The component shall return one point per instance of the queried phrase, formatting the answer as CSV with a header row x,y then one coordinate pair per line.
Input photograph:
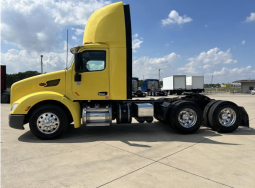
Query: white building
x,y
246,85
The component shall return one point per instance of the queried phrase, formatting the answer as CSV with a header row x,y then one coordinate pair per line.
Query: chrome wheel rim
x,y
187,118
48,123
227,117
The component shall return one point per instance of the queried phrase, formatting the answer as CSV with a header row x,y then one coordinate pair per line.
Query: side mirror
x,y
78,63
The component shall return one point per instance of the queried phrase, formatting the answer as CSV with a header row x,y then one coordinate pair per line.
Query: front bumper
x,y
16,121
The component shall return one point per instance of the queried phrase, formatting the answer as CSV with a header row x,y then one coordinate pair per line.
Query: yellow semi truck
x,y
97,89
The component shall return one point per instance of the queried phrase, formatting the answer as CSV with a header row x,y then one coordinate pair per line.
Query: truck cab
x,y
136,90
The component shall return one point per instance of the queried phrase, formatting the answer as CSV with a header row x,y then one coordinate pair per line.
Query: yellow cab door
x,y
94,78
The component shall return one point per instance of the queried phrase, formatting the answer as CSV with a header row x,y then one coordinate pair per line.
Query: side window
x,y
93,61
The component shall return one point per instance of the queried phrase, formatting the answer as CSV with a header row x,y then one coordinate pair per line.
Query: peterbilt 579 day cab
x,y
97,88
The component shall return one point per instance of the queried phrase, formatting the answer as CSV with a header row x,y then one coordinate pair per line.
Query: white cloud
x,y
136,42
233,72
175,18
148,66
36,25
243,42
23,60
78,31
74,38
205,61
135,35
250,18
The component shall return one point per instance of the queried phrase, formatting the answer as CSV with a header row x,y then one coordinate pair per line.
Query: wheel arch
x,y
27,104
47,102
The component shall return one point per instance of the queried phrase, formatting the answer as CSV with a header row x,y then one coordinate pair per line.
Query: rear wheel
x,y
149,119
206,122
185,117
224,117
48,122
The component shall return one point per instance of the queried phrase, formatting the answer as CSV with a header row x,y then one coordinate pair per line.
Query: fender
x,y
28,101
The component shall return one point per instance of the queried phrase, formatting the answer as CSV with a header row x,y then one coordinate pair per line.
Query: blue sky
x,y
198,38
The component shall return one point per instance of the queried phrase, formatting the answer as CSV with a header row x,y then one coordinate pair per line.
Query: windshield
x,y
70,63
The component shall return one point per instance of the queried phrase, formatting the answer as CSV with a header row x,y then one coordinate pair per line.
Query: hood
x,y
54,81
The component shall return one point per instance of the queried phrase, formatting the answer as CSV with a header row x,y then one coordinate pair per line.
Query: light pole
x,y
41,64
211,80
159,75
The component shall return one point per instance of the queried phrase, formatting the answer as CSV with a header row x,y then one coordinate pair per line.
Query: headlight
x,y
14,106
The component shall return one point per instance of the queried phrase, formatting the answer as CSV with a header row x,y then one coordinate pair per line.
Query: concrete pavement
x,y
137,155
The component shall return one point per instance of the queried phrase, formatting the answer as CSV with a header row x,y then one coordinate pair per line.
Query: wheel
x,y
5,98
206,122
224,117
140,120
185,117
48,122
169,120
149,120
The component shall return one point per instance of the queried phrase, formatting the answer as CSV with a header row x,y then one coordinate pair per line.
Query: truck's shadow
x,y
154,132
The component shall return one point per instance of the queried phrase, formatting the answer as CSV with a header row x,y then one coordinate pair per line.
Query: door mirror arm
x,y
78,63
77,77
78,67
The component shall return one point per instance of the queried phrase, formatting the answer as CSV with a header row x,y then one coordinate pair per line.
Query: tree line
x,y
12,78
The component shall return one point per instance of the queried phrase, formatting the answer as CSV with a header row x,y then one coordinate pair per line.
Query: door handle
x,y
102,93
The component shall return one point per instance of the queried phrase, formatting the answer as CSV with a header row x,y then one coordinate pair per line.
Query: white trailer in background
x,y
174,84
195,84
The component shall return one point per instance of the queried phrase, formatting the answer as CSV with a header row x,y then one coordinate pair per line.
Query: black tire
x,y
5,98
140,120
214,115
206,122
169,120
175,112
149,120
61,116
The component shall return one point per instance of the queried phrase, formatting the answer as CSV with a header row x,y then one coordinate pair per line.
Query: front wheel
x,y
48,122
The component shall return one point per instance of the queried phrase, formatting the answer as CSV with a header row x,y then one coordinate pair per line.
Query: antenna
x,y
66,48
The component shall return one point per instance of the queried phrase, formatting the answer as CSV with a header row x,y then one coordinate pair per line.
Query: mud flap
x,y
244,117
